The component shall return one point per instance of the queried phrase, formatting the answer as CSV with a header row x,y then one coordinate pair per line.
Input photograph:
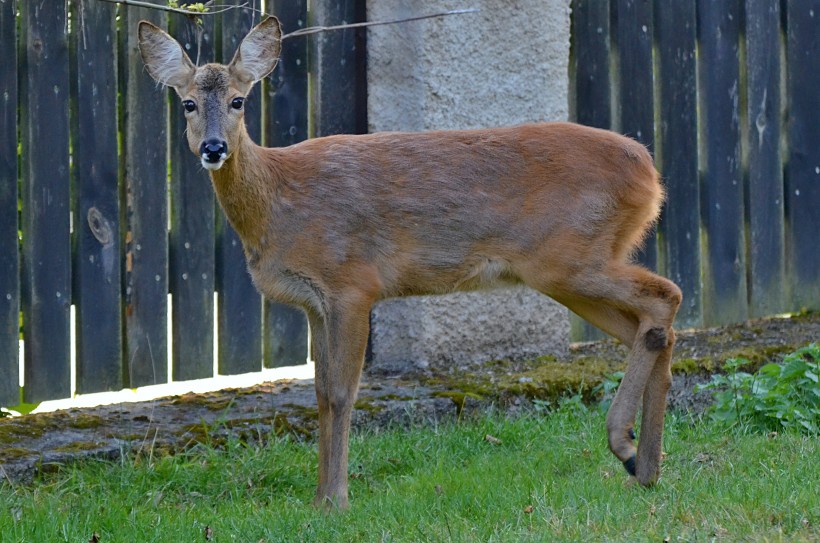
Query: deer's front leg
x,y
339,356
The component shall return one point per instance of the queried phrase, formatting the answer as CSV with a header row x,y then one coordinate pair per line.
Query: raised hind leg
x,y
637,307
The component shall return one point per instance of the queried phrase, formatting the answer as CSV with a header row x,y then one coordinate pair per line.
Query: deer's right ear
x,y
163,57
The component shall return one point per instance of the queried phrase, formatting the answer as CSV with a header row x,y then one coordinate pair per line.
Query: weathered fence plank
x,y
592,97
636,94
803,170
766,254
46,273
146,176
724,293
287,123
677,153
97,278
590,26
239,308
10,260
192,239
339,92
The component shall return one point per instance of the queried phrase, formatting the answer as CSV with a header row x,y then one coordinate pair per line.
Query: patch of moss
x,y
368,404
23,428
457,397
85,421
79,446
8,454
213,402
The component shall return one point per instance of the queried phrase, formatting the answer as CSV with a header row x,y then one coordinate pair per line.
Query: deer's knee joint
x,y
656,338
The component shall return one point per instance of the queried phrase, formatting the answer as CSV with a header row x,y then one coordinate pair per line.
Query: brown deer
x,y
334,224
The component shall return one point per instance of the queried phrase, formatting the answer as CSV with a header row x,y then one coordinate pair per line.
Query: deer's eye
x,y
236,103
189,105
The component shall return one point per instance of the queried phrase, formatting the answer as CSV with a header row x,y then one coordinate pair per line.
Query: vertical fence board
x,y
10,261
285,326
146,178
97,280
636,88
764,198
339,100
591,28
239,310
191,244
46,245
678,152
803,170
590,25
724,297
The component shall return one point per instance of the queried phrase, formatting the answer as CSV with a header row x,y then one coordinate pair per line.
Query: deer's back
x,y
439,211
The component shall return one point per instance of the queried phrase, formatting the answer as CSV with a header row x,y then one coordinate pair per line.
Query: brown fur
x,y
334,224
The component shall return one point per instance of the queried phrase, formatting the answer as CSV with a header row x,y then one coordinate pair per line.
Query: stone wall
x,y
505,65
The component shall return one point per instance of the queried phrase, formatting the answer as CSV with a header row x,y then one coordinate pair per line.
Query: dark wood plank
x,y
590,52
287,123
803,170
636,94
677,153
724,293
45,204
239,308
10,262
145,172
764,197
192,238
97,278
591,100
46,274
339,93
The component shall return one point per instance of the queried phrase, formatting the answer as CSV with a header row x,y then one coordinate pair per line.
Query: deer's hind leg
x,y
638,308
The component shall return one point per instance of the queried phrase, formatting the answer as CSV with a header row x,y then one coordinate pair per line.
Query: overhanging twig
x,y
296,33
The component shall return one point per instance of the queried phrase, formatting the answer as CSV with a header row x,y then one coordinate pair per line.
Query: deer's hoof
x,y
629,465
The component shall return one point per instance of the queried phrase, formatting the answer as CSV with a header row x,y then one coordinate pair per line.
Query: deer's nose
x,y
213,150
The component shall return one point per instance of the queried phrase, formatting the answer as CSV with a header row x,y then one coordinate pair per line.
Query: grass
x,y
550,478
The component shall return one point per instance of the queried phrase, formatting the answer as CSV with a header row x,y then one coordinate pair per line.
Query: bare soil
x,y
35,444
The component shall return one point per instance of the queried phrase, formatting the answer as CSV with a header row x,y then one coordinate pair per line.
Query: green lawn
x,y
550,478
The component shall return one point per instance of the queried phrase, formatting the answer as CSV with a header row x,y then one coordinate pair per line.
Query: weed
x,y
775,397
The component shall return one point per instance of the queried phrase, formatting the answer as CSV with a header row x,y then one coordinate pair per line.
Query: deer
x,y
334,224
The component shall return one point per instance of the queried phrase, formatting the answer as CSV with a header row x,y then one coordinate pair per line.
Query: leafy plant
x,y
775,397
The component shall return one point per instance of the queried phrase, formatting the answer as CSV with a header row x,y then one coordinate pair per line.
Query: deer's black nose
x,y
213,150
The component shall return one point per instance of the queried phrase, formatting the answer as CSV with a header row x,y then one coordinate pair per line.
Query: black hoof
x,y
629,466
632,434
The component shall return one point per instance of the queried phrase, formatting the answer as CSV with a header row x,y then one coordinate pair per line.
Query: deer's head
x,y
213,95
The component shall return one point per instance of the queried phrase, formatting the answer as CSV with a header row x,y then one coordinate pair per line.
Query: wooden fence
x,y
724,92
87,217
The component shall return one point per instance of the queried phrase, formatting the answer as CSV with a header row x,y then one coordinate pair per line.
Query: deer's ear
x,y
163,57
258,53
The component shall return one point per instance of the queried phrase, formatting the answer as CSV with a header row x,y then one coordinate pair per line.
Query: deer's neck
x,y
245,186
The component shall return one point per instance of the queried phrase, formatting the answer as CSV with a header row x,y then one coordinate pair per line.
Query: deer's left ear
x,y
258,53
163,57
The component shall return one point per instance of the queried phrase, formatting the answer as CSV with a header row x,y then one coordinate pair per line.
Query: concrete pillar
x,y
506,65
